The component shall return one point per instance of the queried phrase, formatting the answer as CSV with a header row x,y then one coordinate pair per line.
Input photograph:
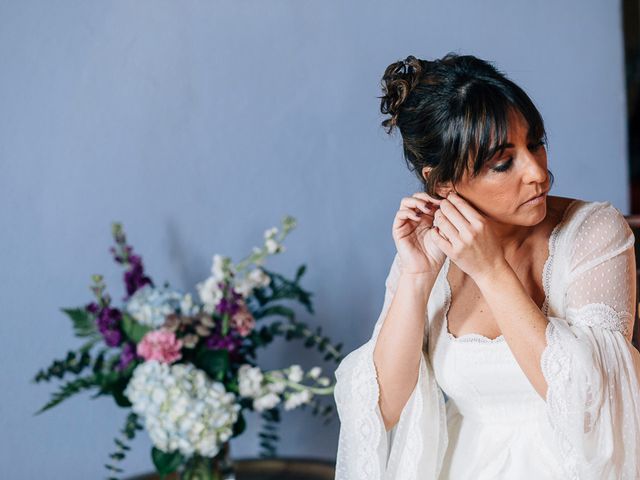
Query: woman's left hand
x,y
469,239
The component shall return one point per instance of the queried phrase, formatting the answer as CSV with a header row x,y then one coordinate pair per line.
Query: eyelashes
x,y
503,167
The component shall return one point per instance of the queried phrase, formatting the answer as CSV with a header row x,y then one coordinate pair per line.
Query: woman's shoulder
x,y
593,227
575,212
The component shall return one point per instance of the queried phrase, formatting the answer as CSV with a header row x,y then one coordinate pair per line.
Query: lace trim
x,y
546,285
547,269
601,315
358,396
556,365
368,428
467,337
359,457
408,466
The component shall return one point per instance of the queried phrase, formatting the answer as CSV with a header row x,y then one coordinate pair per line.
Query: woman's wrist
x,y
418,279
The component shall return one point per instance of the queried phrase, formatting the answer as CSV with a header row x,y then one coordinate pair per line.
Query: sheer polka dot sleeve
x,y
591,368
366,451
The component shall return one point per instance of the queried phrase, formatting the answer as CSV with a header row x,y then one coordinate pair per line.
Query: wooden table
x,y
272,469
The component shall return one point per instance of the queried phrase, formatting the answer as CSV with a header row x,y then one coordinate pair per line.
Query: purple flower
x,y
108,322
92,307
134,277
230,342
127,355
230,305
112,337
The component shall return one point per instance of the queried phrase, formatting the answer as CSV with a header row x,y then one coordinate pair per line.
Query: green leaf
x,y
282,288
69,389
73,363
275,310
239,426
166,463
132,329
214,362
99,361
83,322
301,269
118,393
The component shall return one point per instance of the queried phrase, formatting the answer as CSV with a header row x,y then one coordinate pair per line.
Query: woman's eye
x,y
538,145
503,167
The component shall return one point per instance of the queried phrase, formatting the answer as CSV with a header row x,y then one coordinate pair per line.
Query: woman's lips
x,y
537,200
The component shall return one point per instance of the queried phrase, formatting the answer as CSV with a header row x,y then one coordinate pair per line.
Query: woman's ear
x,y
425,172
443,190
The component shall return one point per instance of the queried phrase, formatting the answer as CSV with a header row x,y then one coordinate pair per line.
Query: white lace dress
x,y
473,413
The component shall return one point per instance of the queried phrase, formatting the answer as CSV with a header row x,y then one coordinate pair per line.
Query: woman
x,y
503,347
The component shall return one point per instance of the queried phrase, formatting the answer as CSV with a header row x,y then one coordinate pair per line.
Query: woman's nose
x,y
536,170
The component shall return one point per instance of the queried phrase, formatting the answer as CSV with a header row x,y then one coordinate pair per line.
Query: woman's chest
x,y
468,312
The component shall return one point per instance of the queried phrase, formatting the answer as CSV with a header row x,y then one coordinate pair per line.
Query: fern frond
x,y
73,363
127,433
69,389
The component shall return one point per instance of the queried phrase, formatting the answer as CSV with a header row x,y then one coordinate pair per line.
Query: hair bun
x,y
398,81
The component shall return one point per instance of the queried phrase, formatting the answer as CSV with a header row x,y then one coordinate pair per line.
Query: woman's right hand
x,y
413,234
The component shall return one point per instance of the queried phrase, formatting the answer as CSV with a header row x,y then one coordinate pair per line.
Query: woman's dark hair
x,y
451,110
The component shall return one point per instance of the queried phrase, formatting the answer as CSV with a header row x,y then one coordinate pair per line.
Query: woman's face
x,y
505,183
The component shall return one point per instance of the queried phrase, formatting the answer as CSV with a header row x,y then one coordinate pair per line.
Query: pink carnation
x,y
243,321
161,345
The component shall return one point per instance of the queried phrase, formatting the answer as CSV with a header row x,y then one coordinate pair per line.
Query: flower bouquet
x,y
187,370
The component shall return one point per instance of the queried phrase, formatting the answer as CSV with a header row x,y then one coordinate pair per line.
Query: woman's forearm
x,y
399,344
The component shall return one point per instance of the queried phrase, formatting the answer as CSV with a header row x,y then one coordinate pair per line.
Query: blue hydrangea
x,y
150,305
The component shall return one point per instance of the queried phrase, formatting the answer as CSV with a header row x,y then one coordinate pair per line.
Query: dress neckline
x,y
546,279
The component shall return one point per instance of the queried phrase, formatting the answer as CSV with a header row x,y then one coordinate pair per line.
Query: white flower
x,y
218,267
258,277
324,381
182,409
295,373
187,307
276,387
244,287
249,381
315,372
210,294
150,305
270,233
266,402
276,383
255,278
272,245
296,399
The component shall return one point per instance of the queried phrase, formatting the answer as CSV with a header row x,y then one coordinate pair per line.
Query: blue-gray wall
x,y
199,124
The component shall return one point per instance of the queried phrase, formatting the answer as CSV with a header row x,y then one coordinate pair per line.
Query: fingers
x,y
405,213
417,203
470,213
428,198
453,214
417,208
446,227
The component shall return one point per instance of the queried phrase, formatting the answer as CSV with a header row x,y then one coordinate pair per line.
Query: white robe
x,y
592,408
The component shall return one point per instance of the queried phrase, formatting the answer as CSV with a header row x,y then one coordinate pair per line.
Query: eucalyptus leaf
x,y
166,463
132,329
83,322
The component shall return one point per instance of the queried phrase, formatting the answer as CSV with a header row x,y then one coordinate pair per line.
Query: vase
x,y
219,467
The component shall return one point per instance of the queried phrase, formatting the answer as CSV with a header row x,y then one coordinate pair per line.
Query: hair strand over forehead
x,y
453,114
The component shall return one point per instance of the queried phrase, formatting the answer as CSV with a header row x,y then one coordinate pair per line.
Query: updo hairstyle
x,y
450,112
